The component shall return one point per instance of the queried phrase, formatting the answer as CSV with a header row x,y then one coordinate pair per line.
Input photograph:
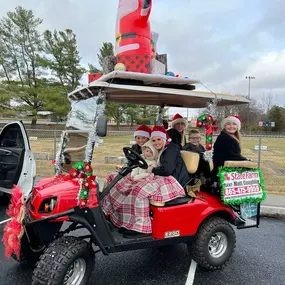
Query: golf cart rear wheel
x,y
214,244
67,261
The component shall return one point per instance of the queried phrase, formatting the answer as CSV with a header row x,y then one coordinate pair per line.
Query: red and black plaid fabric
x,y
127,203
135,63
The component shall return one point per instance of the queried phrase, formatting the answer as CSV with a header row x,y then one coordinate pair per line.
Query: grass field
x,y
272,160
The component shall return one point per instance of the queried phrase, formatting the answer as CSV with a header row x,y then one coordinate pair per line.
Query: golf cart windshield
x,y
80,122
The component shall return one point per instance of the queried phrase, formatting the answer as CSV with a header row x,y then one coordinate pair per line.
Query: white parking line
x,y
5,221
191,273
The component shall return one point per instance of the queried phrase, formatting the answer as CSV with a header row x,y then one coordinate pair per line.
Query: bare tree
x,y
268,101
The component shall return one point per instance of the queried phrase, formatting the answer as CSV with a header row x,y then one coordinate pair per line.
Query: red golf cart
x,y
63,238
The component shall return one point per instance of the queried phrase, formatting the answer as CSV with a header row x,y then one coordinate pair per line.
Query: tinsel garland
x,y
14,229
209,123
93,138
237,201
59,158
83,171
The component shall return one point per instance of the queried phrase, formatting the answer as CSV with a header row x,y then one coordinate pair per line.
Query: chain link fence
x,y
267,150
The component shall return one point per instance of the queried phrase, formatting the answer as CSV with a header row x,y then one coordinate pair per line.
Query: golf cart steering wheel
x,y
135,158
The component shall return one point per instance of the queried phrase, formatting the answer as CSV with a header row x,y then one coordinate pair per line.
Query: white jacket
x,y
139,173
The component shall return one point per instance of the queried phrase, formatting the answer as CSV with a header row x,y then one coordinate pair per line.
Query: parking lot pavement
x,y
258,259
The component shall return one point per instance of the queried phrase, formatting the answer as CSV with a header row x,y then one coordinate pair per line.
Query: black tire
x,y
28,258
57,259
214,228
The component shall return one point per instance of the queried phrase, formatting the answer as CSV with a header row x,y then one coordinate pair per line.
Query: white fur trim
x,y
158,134
231,119
180,120
153,149
142,133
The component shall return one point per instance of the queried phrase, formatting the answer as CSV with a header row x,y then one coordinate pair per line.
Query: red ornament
x,y
209,118
73,172
82,203
208,146
82,175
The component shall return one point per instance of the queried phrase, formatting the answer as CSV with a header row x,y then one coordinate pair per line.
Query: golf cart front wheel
x,y
214,244
67,261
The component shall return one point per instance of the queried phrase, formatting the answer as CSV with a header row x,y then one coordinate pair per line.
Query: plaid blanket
x,y
127,203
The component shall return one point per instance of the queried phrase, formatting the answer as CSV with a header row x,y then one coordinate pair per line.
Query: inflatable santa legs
x,y
133,46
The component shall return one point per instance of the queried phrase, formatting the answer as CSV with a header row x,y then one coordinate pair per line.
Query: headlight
x,y
48,205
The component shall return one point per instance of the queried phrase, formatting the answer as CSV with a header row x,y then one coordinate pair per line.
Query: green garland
x,y
236,201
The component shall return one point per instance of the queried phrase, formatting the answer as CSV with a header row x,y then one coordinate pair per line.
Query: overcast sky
x,y
217,41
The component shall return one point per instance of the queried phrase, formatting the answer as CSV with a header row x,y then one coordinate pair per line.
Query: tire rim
x,y
75,272
218,244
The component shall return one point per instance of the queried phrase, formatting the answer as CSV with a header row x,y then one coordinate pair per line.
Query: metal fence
x,y
267,150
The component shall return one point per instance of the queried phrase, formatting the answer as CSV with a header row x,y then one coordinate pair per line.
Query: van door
x,y
17,163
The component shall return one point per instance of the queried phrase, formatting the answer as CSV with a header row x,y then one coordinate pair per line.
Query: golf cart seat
x,y
191,160
242,163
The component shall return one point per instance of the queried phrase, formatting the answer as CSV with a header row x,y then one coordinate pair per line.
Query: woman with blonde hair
x,y
227,144
177,130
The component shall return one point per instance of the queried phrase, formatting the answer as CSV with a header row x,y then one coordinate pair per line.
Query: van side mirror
x,y
102,126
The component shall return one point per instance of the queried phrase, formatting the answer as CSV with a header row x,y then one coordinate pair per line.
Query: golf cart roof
x,y
146,89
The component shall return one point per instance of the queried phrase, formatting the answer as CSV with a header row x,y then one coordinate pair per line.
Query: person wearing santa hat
x,y
177,130
170,161
227,144
227,147
127,204
142,135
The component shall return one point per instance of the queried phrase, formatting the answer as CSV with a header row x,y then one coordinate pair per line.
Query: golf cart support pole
x,y
159,118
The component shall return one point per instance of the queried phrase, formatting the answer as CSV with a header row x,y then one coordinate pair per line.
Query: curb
x,y
272,212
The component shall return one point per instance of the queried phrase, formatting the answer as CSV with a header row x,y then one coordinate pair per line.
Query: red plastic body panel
x,y
66,191
184,220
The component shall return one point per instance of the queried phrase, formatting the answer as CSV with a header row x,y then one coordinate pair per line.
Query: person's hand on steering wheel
x,y
135,160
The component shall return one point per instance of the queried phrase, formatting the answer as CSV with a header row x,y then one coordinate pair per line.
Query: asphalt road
x,y
258,259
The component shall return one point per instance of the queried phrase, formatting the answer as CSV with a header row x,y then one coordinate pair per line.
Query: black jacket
x,y
175,137
136,148
226,148
191,147
171,163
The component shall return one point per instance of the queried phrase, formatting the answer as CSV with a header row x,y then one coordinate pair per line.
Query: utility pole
x,y
249,79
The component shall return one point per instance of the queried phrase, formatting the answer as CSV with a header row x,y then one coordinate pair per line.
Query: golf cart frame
x,y
204,223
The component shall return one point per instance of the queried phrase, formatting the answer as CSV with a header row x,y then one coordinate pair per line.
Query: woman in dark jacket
x,y
170,160
177,130
227,144
227,147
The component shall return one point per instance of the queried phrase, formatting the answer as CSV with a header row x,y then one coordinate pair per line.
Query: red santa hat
x,y
177,118
160,132
143,131
233,119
